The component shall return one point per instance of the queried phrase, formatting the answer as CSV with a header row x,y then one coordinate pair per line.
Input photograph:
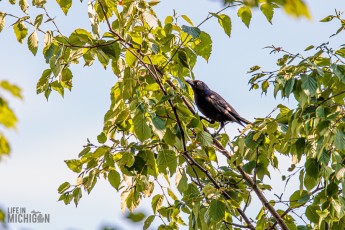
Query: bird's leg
x,y
209,121
221,127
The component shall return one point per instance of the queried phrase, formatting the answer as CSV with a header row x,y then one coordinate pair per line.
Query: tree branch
x,y
216,143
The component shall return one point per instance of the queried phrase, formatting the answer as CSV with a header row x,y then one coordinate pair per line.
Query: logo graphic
x,y
20,215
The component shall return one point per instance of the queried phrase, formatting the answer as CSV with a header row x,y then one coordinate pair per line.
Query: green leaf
x,y
102,58
39,3
205,139
339,140
113,50
100,151
38,20
84,151
74,165
156,202
181,181
2,20
7,118
203,46
309,48
299,198
253,69
169,137
43,83
267,10
312,167
13,89
340,52
114,179
80,37
216,211
193,31
312,213
127,159
77,195
20,31
130,58
167,159
47,93
182,56
310,182
135,216
49,47
185,17
24,6
309,85
141,128
171,194
296,8
339,71
327,19
64,5
225,22
148,222
4,146
2,216
245,14
289,86
33,43
159,126
66,78
102,138
337,206
57,87
63,187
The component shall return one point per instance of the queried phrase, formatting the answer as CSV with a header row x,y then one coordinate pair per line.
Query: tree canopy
x,y
154,140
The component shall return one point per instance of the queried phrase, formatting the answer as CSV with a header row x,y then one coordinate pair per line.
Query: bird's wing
x,y
224,107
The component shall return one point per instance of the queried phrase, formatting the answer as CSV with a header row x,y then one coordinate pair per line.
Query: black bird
x,y
213,106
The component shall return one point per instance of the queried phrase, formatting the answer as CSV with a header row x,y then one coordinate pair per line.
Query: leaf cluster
x,y
153,143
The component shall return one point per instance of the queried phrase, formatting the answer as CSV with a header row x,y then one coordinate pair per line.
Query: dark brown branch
x,y
247,178
289,209
216,143
263,199
333,96
236,225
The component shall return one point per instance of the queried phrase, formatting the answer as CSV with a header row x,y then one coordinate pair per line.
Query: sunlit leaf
x,y
21,31
225,22
64,5
2,20
33,43
245,14
114,179
268,10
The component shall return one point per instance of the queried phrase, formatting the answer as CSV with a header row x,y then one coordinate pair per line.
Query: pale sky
x,y
50,132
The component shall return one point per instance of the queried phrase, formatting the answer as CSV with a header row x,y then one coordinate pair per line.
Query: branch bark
x,y
217,144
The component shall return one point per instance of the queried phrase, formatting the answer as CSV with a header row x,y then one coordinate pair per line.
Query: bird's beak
x,y
190,82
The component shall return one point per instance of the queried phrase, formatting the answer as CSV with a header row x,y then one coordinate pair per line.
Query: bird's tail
x,y
245,121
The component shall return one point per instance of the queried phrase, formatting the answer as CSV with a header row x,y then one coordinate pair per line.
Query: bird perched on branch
x,y
213,106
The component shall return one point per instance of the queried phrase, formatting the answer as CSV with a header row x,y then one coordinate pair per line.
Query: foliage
x,y
8,119
153,143
312,134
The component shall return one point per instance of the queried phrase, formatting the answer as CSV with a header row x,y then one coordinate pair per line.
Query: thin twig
x,y
217,144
